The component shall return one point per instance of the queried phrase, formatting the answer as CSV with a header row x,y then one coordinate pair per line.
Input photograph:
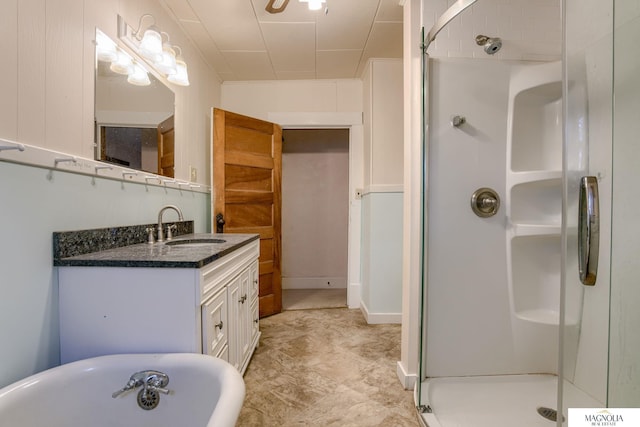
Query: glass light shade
x,y
138,76
105,48
151,45
123,64
167,65
181,77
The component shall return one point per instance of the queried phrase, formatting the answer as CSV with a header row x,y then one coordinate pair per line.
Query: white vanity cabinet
x,y
211,310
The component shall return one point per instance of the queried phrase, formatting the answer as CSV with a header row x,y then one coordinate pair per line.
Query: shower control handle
x,y
588,230
485,202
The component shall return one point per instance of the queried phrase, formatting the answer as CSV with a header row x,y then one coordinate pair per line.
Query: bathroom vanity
x,y
197,293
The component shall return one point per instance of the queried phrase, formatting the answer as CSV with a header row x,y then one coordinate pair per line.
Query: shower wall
x,y
530,30
469,321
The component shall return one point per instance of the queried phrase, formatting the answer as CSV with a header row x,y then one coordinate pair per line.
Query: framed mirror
x,y
134,112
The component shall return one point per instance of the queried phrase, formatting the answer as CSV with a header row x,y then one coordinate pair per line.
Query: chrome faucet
x,y
151,381
160,230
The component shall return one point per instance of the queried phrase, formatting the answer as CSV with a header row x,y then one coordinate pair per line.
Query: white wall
x,y
383,191
315,208
47,101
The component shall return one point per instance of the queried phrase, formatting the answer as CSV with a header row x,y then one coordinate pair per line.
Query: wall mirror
x,y
134,112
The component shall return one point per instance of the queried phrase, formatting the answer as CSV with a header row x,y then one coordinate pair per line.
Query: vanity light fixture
x,y
158,54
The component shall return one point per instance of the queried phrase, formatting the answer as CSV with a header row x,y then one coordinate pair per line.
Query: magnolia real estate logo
x,y
604,417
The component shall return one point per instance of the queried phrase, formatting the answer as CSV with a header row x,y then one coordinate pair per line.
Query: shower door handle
x,y
588,230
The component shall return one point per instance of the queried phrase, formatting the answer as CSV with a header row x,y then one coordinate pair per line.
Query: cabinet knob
x,y
256,320
219,325
242,299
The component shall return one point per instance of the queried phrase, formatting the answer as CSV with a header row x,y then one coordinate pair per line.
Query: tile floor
x,y
304,299
326,367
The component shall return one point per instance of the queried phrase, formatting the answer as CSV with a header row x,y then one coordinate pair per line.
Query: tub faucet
x,y
160,231
153,381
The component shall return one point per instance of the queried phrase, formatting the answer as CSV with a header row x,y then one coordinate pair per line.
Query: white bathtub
x,y
204,391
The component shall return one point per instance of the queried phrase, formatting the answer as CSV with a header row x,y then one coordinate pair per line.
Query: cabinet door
x,y
244,328
215,327
254,322
234,295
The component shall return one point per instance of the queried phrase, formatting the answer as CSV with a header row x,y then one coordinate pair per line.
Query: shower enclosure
x,y
510,334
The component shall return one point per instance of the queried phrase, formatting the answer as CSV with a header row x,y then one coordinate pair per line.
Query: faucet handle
x,y
170,230
131,384
150,239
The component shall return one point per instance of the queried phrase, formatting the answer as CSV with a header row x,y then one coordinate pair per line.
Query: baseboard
x,y
380,318
353,295
408,381
314,283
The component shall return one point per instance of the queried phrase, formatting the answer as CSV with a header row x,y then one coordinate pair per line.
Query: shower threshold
x,y
495,401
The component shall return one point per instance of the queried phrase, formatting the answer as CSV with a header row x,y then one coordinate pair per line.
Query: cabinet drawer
x,y
214,324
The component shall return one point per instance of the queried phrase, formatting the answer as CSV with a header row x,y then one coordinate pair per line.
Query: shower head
x,y
491,44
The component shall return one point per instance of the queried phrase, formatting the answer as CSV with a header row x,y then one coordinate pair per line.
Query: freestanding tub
x,y
203,391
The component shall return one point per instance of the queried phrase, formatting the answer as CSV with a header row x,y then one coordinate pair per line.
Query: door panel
x,y
247,165
166,148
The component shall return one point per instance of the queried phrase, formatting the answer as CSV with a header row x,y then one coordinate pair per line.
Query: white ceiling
x,y
242,41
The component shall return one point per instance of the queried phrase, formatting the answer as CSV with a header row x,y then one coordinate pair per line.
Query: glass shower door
x,y
624,342
601,367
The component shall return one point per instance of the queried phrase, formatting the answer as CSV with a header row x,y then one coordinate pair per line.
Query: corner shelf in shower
x,y
534,198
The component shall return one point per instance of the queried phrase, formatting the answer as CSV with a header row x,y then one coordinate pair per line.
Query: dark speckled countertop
x,y
161,255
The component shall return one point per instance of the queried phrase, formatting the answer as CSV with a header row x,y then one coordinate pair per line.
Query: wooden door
x,y
247,179
166,148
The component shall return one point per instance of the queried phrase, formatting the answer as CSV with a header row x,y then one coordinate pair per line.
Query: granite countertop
x,y
162,255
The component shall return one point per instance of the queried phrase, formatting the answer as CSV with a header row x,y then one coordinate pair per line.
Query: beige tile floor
x,y
326,367
304,299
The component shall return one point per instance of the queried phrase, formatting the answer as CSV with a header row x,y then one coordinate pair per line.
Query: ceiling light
x,y
314,4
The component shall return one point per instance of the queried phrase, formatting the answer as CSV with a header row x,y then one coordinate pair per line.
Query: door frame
x,y
353,122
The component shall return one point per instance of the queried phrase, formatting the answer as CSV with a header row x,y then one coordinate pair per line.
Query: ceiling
x,y
242,41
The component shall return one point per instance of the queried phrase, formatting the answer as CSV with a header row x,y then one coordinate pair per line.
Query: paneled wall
x,y
48,76
47,98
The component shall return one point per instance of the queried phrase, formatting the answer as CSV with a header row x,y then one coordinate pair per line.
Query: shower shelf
x,y
515,178
534,229
547,317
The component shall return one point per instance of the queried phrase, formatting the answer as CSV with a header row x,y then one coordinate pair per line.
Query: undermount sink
x,y
192,243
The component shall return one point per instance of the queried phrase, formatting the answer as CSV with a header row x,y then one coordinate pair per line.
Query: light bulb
x,y
315,4
105,48
122,64
167,65
151,45
138,76
181,77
